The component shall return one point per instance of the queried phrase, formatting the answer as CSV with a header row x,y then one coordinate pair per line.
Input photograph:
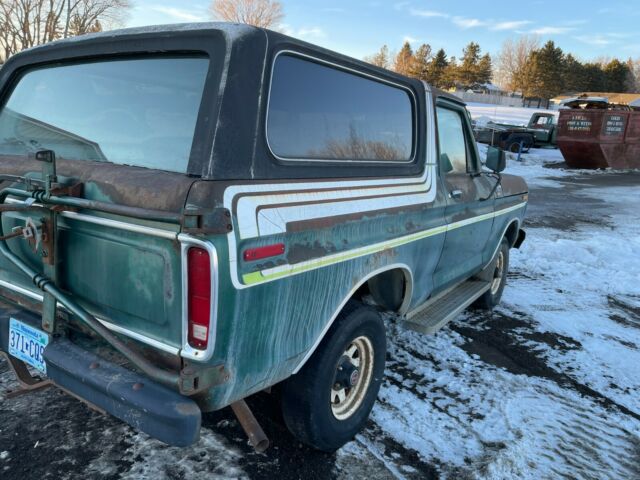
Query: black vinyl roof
x,y
230,141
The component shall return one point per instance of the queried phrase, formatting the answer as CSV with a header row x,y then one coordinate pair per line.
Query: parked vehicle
x,y
540,132
193,214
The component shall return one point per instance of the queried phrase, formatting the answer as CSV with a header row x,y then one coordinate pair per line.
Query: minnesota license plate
x,y
27,344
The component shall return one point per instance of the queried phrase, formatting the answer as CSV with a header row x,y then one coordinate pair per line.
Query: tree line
x,y
522,66
473,70
27,23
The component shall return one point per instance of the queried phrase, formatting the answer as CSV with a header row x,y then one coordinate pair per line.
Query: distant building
x,y
484,88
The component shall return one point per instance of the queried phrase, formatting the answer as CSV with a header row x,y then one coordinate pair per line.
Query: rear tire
x,y
512,143
491,298
329,400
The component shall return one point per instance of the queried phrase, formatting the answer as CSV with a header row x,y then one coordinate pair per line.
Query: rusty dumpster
x,y
600,138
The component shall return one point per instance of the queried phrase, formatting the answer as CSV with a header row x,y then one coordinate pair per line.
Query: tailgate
x,y
127,274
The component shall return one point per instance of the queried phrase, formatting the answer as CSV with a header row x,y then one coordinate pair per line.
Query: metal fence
x,y
502,100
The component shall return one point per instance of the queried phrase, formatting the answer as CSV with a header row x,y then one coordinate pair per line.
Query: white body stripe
x,y
274,220
289,270
248,221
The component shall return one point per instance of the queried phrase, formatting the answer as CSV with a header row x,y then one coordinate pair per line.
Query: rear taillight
x,y
199,294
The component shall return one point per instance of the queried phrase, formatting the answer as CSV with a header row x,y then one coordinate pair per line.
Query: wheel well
x,y
511,233
518,137
391,289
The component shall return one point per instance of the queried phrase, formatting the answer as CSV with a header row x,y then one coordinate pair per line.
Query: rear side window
x,y
139,112
320,112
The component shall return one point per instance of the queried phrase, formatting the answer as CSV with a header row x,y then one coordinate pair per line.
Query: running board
x,y
438,311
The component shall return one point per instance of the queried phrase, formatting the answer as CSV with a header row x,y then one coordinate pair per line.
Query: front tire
x,y
491,298
329,400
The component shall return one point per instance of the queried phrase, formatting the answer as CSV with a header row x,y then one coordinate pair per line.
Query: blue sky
x,y
587,28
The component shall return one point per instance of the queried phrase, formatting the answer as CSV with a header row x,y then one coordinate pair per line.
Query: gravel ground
x,y
544,387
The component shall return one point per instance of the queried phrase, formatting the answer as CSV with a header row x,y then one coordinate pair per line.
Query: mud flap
x,y
147,406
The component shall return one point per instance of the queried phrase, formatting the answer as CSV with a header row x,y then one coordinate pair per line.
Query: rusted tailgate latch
x,y
214,221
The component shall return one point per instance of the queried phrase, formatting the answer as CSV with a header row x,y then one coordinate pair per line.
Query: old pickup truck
x,y
540,132
193,214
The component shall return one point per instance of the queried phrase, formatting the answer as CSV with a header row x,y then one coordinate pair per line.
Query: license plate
x,y
27,344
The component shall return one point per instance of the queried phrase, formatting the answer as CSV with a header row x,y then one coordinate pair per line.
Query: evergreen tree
x,y
485,70
420,65
595,79
574,78
467,73
404,59
545,76
525,78
451,74
437,69
616,75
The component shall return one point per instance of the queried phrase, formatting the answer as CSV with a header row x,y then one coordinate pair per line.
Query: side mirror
x,y
496,160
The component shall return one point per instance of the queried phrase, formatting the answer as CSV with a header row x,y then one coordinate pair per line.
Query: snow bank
x,y
500,114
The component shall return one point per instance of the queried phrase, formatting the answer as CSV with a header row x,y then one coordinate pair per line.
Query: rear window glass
x,y
139,112
318,112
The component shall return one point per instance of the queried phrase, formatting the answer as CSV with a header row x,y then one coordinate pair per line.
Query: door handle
x,y
455,194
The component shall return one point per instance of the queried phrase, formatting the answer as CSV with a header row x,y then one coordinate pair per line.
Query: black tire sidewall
x,y
306,396
494,298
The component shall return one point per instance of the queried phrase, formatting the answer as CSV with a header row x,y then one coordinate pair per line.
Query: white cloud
x,y
463,22
410,39
427,13
314,32
179,14
596,40
622,35
509,25
303,32
551,30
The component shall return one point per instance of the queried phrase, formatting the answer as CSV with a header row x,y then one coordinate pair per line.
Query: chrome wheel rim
x,y
498,274
352,378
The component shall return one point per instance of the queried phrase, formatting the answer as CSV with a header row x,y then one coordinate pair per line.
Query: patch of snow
x,y
210,457
501,114
472,419
533,166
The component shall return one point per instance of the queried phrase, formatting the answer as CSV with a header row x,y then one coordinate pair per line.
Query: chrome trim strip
x,y
130,227
141,338
187,350
360,74
21,290
107,222
124,331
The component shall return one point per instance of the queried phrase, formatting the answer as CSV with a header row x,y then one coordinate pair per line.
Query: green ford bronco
x,y
196,213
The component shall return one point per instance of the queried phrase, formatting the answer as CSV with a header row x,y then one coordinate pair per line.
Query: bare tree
x,y
261,13
27,23
512,59
380,59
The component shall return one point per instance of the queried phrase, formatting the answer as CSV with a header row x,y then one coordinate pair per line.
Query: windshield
x,y
140,112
